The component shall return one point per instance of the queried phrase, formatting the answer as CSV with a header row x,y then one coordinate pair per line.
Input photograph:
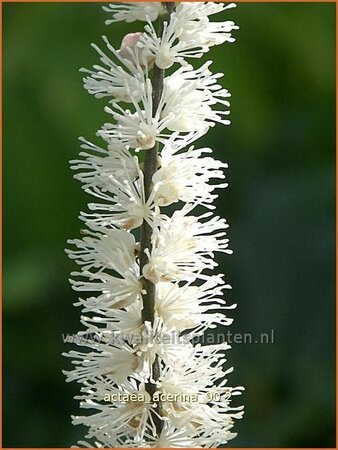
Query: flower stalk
x,y
150,168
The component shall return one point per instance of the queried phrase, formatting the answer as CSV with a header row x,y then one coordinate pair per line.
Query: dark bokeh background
x,y
280,204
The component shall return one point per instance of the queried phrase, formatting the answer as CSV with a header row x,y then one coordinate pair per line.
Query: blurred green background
x,y
280,205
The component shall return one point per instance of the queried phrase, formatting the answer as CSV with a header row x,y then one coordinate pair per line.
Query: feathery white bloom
x,y
193,94
108,262
186,307
194,376
121,416
115,323
100,166
139,129
112,78
115,177
124,206
157,340
168,49
144,380
182,247
178,307
186,175
115,292
189,33
129,12
114,362
186,105
198,29
114,250
172,437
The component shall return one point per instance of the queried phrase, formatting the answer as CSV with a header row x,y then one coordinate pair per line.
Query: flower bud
x,y
131,49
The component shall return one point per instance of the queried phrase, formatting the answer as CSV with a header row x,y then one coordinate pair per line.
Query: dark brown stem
x,y
150,167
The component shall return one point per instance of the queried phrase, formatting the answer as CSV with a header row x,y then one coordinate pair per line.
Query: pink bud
x,y
130,40
129,45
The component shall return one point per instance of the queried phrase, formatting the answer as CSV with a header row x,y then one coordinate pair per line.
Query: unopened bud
x,y
131,50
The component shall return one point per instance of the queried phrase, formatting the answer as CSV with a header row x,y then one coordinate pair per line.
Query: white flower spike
x,y
147,273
